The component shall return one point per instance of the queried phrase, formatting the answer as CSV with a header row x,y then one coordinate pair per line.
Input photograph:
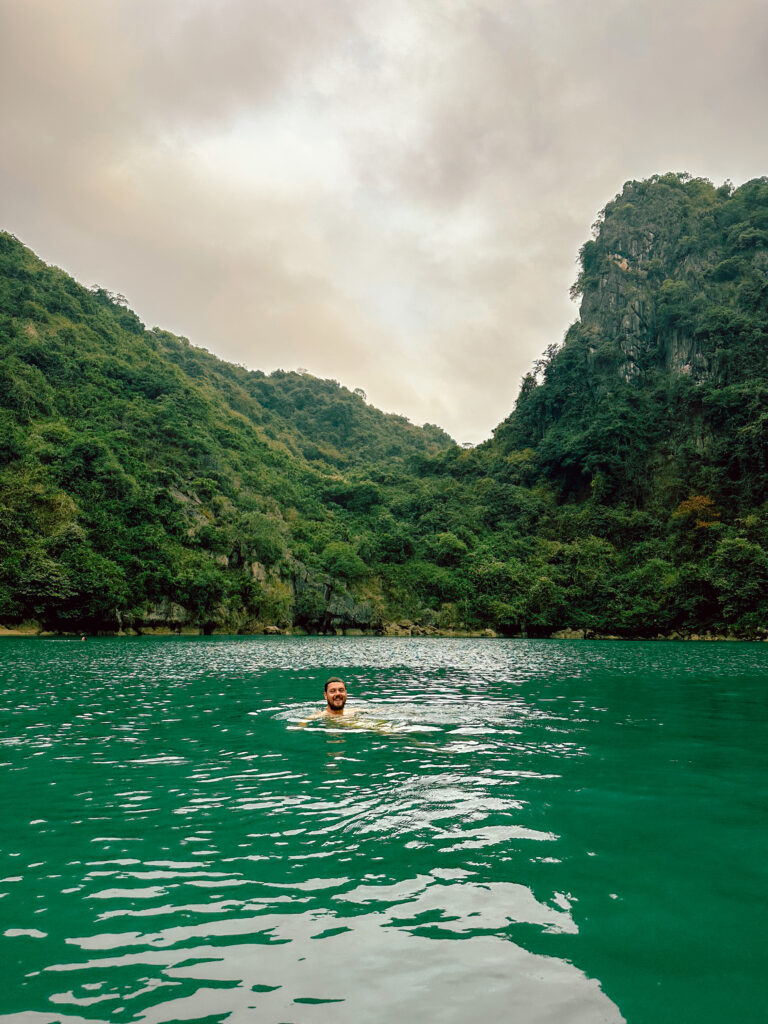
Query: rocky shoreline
x,y
400,628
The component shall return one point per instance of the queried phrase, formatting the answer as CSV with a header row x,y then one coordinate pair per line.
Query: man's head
x,y
335,694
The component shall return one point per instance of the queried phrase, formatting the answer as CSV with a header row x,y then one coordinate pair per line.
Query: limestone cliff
x,y
669,349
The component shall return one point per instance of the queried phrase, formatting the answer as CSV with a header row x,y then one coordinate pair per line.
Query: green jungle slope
x,y
146,484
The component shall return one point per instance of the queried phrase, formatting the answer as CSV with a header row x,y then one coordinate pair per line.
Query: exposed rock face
x,y
170,617
346,612
164,614
664,370
325,604
312,601
631,272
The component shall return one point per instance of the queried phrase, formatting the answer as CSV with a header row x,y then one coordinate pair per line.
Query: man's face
x,y
336,696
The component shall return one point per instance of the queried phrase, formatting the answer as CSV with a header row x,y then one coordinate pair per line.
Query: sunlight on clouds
x,y
286,148
392,195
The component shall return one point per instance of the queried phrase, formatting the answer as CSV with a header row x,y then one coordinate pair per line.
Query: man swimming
x,y
335,696
335,690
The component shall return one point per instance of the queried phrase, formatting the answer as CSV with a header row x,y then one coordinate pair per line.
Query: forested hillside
x,y
637,453
145,483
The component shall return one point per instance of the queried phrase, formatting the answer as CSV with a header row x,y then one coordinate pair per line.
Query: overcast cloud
x,y
390,194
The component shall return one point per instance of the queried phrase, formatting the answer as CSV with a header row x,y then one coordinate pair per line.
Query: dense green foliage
x,y
144,481
137,470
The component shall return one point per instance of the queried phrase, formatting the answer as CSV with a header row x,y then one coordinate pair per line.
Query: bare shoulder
x,y
325,713
311,718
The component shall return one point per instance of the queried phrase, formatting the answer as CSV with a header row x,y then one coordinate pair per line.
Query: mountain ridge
x,y
147,484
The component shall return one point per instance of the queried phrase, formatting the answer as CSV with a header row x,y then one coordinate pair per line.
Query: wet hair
x,y
333,679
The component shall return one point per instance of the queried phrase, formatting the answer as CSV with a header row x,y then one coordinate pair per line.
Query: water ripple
x,y
176,847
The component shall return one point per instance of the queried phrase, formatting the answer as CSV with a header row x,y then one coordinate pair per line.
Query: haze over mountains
x,y
147,484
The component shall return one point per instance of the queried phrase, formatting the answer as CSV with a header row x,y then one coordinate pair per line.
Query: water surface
x,y
527,831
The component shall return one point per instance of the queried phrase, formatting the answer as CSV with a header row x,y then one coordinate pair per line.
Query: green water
x,y
521,831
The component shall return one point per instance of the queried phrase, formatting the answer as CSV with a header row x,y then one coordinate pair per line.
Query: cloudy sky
x,y
391,193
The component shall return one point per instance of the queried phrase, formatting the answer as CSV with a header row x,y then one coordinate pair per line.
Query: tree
x,y
738,570
340,560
